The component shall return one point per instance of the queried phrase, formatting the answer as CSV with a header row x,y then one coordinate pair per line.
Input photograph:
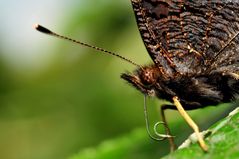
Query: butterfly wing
x,y
187,36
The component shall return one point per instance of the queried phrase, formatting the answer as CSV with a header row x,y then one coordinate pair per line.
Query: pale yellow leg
x,y
190,122
234,75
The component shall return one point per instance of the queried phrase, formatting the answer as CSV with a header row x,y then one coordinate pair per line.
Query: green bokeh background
x,y
76,99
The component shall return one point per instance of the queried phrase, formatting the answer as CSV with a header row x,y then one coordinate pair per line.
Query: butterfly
x,y
194,46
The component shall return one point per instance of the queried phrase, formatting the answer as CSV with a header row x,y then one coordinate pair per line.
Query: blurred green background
x,y
57,98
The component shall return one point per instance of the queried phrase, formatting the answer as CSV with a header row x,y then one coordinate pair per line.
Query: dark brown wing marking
x,y
185,35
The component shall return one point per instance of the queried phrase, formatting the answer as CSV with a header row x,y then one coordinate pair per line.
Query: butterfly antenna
x,y
49,32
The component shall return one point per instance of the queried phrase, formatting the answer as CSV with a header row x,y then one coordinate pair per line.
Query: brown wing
x,y
186,35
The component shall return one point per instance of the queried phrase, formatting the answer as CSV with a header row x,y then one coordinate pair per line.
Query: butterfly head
x,y
144,79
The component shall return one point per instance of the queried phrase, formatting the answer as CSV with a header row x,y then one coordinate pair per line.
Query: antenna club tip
x,y
36,26
42,29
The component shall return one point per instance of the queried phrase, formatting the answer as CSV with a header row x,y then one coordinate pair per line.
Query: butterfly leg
x,y
190,122
167,130
231,74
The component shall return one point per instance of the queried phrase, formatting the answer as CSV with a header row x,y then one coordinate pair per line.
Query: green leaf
x,y
223,141
133,145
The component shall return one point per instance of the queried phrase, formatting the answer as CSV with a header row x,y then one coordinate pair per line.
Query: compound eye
x,y
148,77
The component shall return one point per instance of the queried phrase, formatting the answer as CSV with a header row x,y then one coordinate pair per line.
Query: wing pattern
x,y
189,36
